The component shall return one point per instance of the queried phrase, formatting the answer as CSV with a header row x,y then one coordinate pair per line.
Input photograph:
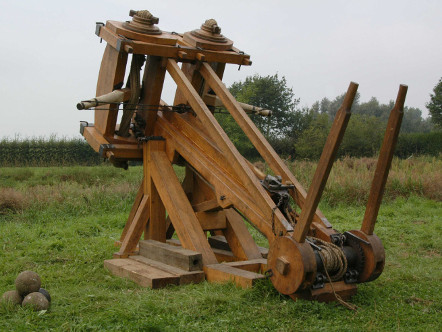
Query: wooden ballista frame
x,y
221,190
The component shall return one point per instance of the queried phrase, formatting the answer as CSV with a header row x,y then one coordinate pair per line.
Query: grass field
x,y
62,223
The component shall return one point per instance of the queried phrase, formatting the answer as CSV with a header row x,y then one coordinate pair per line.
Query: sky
x,y
50,55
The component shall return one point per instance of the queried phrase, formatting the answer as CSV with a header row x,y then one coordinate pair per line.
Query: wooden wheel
x,y
374,256
293,264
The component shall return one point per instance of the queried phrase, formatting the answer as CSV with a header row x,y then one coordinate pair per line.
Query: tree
x,y
435,105
270,92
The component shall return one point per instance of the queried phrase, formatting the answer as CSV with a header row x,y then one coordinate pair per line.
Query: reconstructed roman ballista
x,y
221,190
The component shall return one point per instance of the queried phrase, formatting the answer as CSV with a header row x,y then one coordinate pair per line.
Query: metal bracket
x,y
84,124
104,148
98,26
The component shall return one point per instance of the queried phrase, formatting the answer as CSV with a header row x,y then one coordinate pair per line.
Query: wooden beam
x,y
233,192
212,220
153,81
237,235
186,277
133,211
135,229
178,207
226,273
230,152
384,162
256,137
142,274
169,51
157,225
325,164
179,257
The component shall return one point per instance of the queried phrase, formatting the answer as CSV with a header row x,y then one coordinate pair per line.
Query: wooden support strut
x,y
229,150
255,136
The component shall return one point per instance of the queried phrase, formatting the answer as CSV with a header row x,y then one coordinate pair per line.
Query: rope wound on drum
x,y
335,262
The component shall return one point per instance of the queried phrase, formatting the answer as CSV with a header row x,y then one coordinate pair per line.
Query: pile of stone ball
x,y
28,292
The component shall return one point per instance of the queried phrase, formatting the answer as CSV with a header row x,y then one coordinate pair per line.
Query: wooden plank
x,y
153,81
136,228
212,220
221,255
169,51
133,211
207,206
325,164
94,138
141,274
224,255
122,151
186,277
111,77
172,255
219,242
157,222
254,265
384,162
225,273
164,38
237,235
178,207
326,294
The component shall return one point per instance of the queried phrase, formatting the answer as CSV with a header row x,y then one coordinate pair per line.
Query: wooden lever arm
x,y
325,163
384,162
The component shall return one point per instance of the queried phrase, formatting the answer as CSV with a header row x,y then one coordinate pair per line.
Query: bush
x,y
419,144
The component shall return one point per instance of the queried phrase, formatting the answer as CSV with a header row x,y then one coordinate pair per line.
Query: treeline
x,y
295,133
51,151
301,132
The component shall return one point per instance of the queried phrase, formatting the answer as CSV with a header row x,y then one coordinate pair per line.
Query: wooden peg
x,y
182,55
200,56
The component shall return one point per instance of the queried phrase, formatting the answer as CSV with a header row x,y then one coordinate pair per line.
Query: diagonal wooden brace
x,y
384,162
325,163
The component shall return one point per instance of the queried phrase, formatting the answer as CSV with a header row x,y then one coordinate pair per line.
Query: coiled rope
x,y
334,260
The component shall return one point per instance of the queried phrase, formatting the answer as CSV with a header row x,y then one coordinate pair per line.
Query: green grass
x,y
71,217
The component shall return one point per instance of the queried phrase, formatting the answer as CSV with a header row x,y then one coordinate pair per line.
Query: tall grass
x,y
72,215
350,178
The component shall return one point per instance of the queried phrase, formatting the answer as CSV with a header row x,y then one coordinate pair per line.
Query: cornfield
x,y
52,151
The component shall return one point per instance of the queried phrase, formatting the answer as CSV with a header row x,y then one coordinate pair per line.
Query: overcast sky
x,y
50,56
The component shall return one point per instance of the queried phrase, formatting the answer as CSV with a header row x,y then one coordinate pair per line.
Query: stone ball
x,y
12,297
27,282
36,301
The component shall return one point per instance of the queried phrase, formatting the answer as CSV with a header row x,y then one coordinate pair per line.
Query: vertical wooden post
x,y
153,81
384,162
156,228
